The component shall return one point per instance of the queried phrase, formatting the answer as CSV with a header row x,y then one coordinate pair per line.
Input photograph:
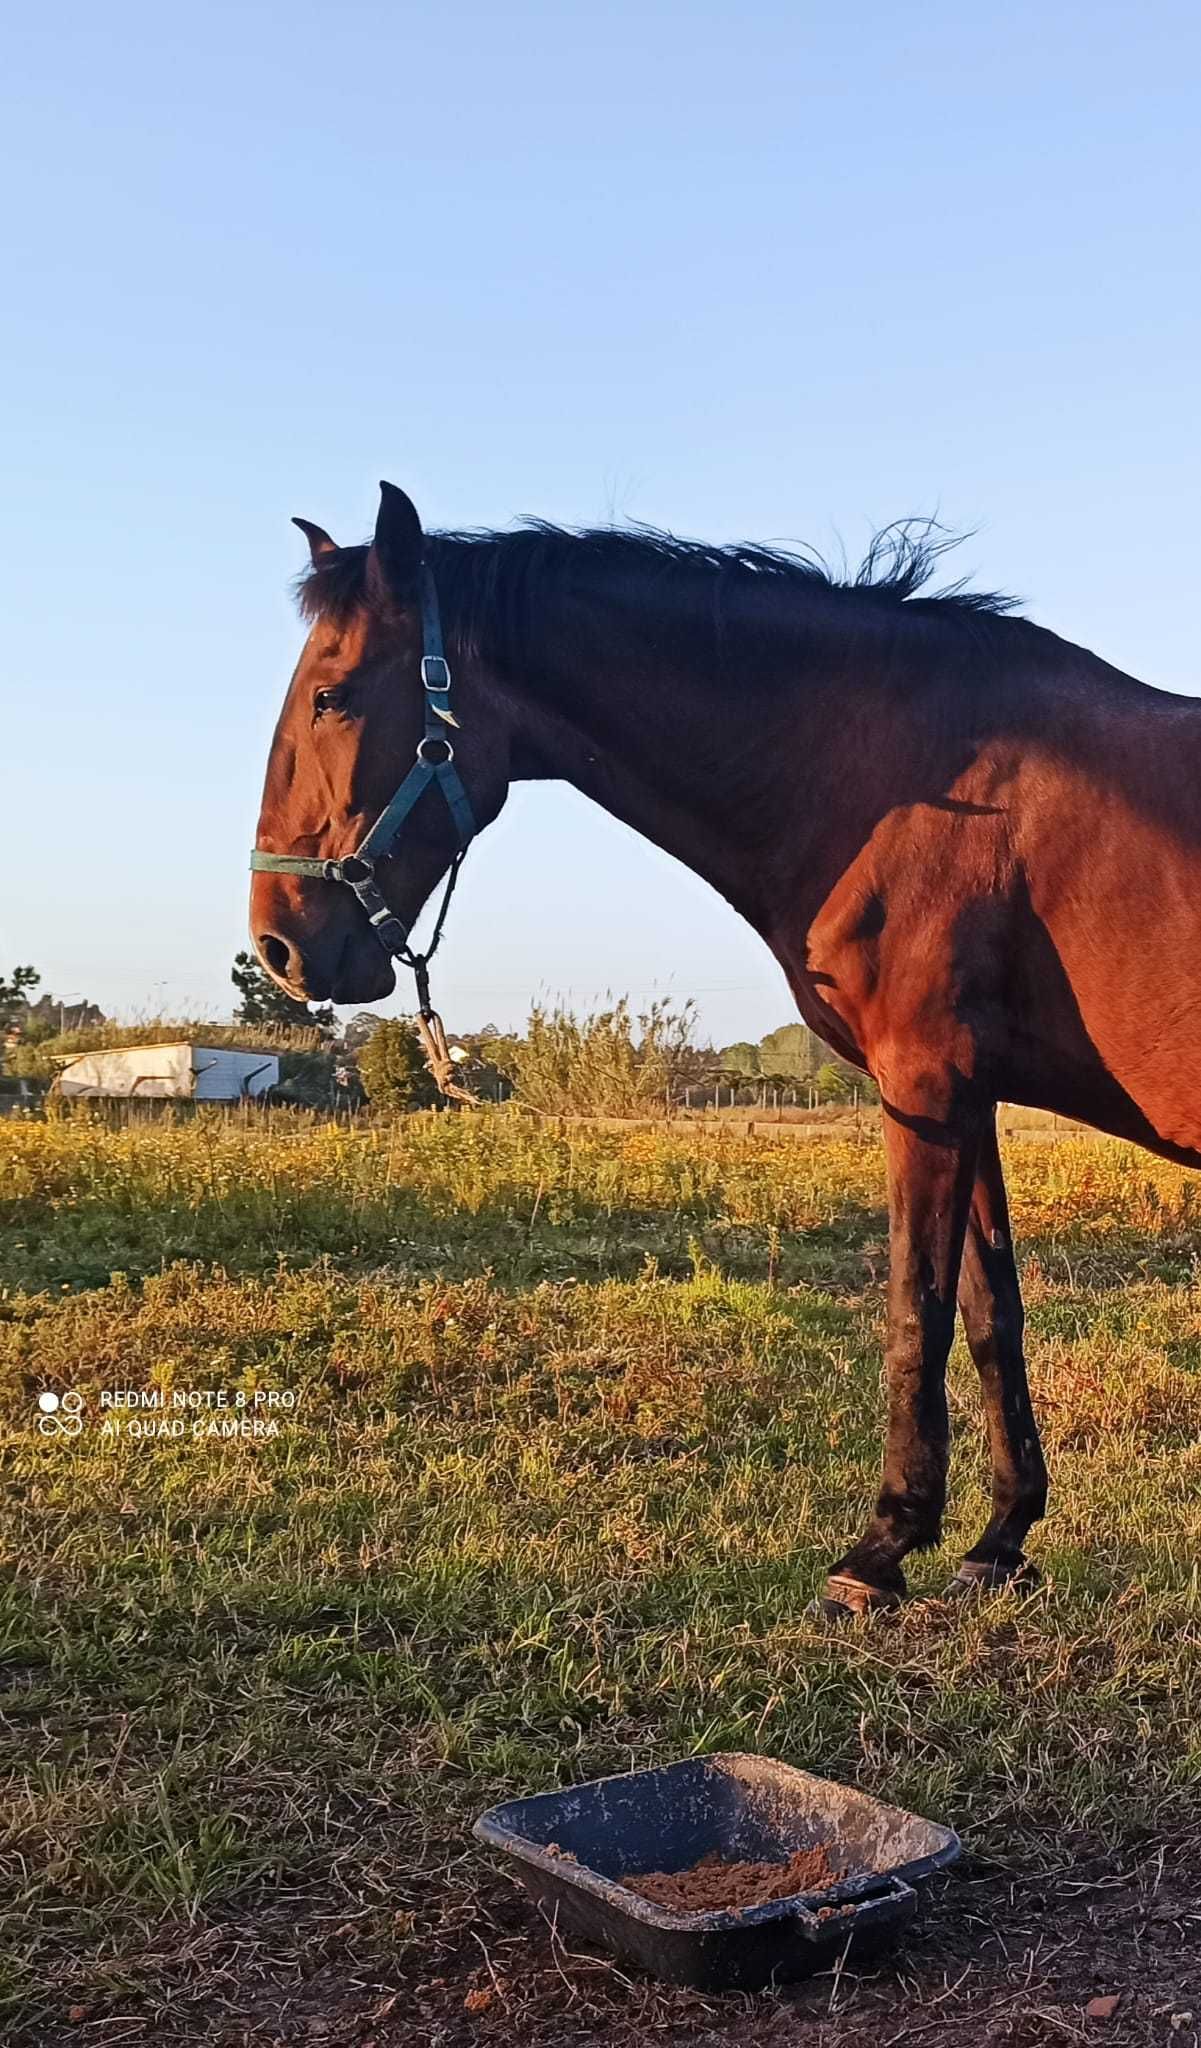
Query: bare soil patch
x,y
997,1959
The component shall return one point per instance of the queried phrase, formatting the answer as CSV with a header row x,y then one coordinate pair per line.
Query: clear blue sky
x,y
776,271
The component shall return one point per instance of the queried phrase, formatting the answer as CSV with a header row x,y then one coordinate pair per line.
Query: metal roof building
x,y
180,1072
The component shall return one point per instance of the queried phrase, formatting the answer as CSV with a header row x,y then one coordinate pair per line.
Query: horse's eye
x,y
328,700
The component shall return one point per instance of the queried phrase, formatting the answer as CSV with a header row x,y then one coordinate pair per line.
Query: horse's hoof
x,y
846,1599
974,1579
835,1613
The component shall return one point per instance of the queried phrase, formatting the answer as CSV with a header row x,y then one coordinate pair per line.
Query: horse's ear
x,y
395,554
318,539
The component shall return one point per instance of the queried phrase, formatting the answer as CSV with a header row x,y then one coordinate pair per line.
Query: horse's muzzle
x,y
354,970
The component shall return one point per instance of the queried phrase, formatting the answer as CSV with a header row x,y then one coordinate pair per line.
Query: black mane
x,y
492,584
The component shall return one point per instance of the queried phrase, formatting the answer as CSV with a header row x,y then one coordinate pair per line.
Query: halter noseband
x,y
357,869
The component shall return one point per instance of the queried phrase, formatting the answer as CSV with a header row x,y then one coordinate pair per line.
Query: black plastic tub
x,y
571,1849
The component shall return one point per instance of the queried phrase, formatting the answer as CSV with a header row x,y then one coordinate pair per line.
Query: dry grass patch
x,y
578,1421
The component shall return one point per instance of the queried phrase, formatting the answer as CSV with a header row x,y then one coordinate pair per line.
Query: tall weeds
x,y
604,1064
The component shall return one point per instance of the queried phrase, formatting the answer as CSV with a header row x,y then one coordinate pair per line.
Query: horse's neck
x,y
766,772
691,772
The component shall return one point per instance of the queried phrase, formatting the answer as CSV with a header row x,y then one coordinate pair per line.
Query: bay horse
x,y
974,848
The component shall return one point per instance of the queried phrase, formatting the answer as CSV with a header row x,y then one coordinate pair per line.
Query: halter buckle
x,y
391,931
435,672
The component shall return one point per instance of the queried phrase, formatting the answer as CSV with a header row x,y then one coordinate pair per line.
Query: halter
x,y
357,870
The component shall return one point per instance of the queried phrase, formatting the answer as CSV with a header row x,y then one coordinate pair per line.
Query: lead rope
x,y
430,1028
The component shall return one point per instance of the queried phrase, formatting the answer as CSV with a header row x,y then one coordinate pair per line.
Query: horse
x,y
973,847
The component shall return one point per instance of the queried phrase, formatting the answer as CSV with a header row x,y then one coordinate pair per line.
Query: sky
x,y
780,272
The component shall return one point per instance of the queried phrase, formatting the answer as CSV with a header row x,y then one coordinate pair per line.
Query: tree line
x,y
794,1063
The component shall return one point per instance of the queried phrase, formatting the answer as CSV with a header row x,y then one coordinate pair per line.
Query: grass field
x,y
578,1422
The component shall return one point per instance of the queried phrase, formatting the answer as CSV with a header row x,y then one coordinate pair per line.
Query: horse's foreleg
x,y
931,1169
991,1303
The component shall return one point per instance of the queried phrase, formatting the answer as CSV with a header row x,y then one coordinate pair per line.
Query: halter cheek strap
x,y
434,767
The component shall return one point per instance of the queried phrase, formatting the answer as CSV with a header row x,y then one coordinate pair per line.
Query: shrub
x,y
601,1065
741,1059
393,1070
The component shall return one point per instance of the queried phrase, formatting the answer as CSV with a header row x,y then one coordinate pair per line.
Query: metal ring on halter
x,y
434,739
354,861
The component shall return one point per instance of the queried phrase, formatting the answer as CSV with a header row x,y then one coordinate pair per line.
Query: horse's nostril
x,y
275,953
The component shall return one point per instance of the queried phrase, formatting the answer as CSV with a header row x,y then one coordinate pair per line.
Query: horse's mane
x,y
491,583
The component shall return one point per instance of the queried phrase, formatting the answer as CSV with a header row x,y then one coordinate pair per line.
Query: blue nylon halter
x,y
357,869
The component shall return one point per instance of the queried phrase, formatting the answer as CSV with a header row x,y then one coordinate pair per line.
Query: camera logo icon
x,y
60,1414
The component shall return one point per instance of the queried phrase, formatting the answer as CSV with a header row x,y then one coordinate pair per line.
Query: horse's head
x,y
347,737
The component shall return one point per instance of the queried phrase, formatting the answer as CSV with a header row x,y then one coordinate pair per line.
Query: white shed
x,y
182,1073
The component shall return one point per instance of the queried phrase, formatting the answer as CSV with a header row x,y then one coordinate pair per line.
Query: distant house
x,y
180,1072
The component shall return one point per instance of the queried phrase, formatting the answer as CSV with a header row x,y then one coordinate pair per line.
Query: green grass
x,y
580,1420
